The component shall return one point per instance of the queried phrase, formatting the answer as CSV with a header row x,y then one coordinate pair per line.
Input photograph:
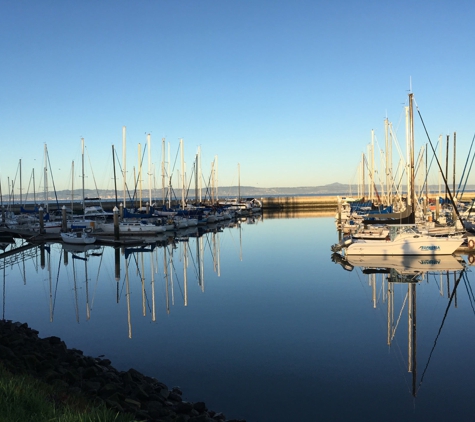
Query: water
x,y
261,326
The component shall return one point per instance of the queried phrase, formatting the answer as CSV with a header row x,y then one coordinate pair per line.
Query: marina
x,y
266,293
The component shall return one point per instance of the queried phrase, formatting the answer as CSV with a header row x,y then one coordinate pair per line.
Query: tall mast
x,y
46,178
239,182
21,201
163,171
115,178
82,157
411,139
408,159
196,177
72,186
149,146
216,173
455,144
125,168
182,175
140,174
372,166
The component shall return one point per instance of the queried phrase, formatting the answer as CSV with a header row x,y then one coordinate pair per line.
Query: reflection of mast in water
x,y
4,291
152,282
216,263
75,290
372,283
127,288
88,309
412,335
200,258
50,287
185,268
165,271
142,279
117,271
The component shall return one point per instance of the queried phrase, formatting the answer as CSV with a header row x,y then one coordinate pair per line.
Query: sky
x,y
286,91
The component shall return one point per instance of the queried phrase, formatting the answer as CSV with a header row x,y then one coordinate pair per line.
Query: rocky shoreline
x,y
145,398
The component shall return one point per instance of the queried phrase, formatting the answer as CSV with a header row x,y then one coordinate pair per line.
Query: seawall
x,y
300,203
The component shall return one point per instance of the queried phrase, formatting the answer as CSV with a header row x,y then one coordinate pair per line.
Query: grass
x,y
24,399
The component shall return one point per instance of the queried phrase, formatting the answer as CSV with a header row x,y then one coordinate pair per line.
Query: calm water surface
x,y
258,322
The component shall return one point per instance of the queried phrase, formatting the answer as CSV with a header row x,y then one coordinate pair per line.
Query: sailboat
x,y
403,239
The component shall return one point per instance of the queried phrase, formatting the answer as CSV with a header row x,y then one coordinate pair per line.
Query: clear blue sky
x,y
290,90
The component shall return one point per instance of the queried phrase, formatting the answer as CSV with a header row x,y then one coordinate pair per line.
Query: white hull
x,y
404,245
131,228
408,264
77,238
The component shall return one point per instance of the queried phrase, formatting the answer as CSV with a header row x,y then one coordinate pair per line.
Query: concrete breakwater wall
x,y
274,203
302,203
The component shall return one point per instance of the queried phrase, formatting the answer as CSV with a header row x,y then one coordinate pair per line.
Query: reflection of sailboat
x,y
407,264
407,271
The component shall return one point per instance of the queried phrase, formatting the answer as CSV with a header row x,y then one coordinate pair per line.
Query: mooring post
x,y
42,220
63,215
116,223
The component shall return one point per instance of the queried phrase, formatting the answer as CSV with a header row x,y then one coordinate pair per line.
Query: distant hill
x,y
234,191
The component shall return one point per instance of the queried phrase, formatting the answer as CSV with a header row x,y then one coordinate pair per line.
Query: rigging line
x,y
97,281
399,317
189,185
465,167
57,280
470,286
177,279
193,261
141,164
121,171
469,296
466,178
52,179
440,328
90,165
427,171
438,163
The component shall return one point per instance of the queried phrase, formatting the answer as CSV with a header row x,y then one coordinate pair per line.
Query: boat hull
x,y
421,245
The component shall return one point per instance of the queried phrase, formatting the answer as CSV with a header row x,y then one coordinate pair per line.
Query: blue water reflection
x,y
258,322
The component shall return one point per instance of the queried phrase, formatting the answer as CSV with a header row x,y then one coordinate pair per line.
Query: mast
x,y
46,178
83,196
182,175
408,159
196,179
72,186
447,166
239,182
372,166
411,151
140,174
21,201
163,171
455,142
115,178
124,160
363,187
149,146
217,196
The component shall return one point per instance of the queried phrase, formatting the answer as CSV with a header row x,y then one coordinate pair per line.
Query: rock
x,y
22,351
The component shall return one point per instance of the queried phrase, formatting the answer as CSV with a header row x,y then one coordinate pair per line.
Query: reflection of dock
x,y
17,254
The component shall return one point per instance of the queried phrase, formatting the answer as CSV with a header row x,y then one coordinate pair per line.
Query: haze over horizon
x,y
290,91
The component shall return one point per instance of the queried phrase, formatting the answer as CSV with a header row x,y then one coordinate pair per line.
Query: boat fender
x,y
471,259
471,243
388,238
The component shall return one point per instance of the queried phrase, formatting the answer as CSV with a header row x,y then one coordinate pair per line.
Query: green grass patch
x,y
24,399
